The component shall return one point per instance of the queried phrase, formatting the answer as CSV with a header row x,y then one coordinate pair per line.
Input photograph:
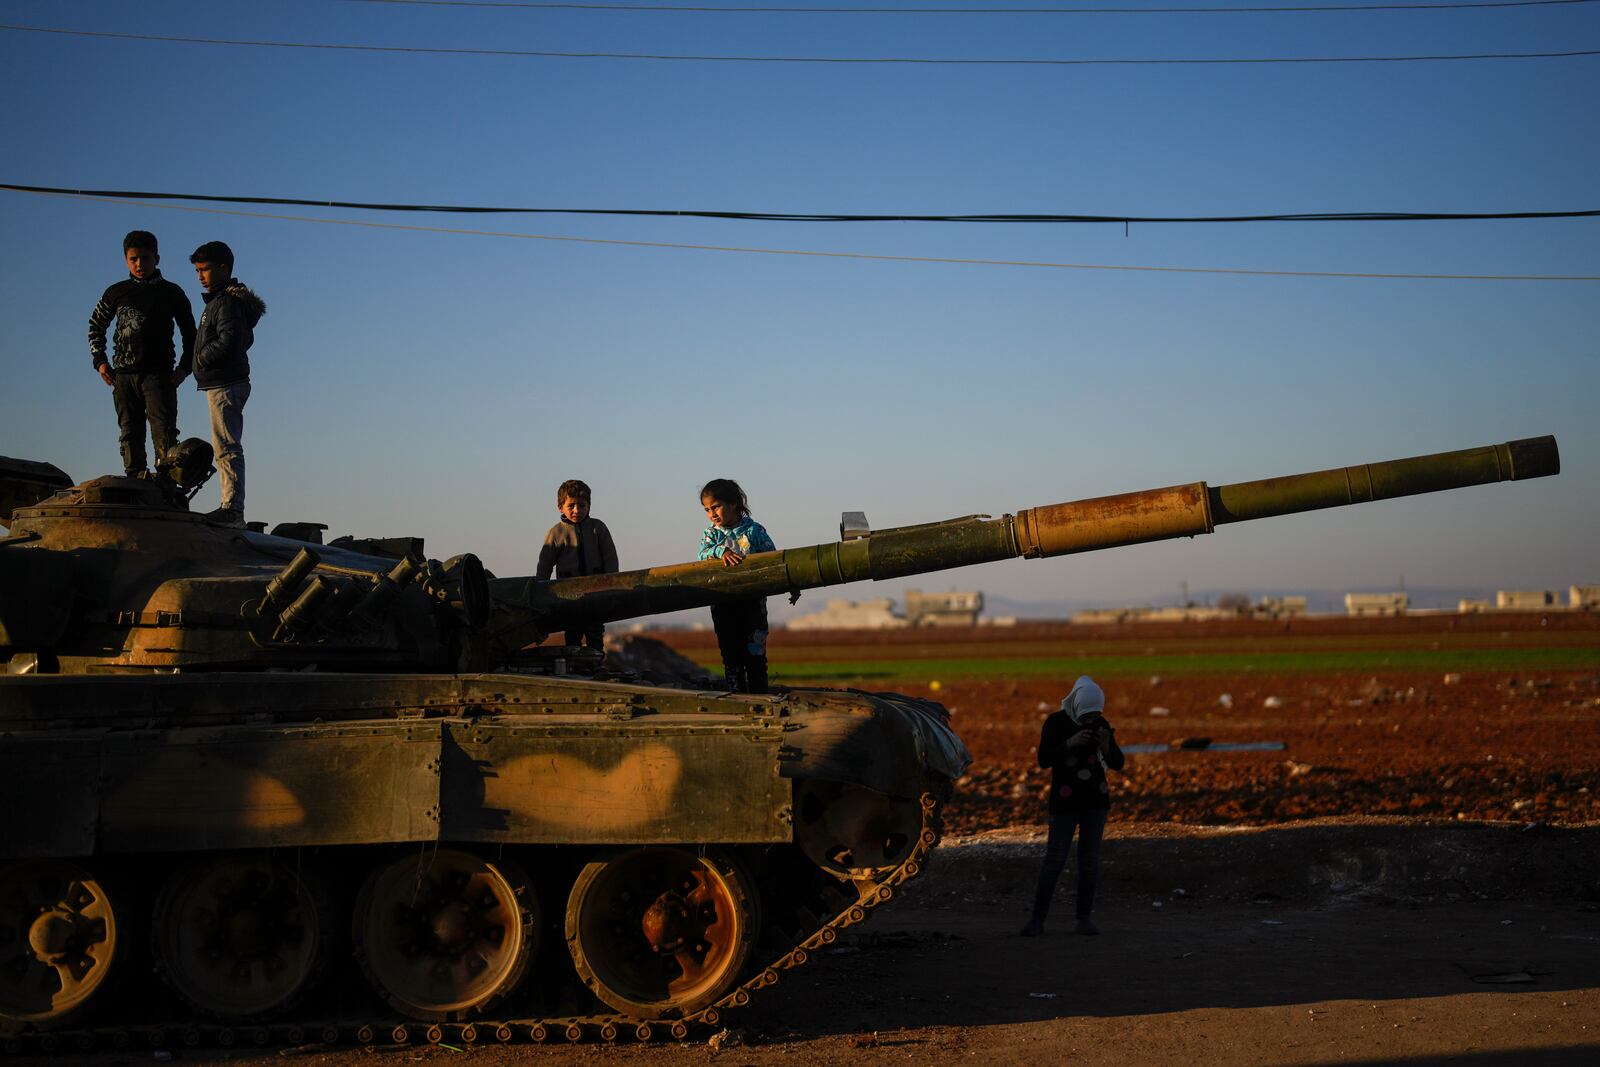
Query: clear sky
x,y
442,385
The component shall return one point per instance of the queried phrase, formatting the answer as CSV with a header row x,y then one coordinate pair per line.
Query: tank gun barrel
x,y
526,609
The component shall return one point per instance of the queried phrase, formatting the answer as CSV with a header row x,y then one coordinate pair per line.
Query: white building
x,y
1376,603
1280,606
852,615
943,609
1524,599
1584,598
1192,613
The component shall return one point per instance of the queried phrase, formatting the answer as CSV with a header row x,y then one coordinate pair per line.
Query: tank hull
x,y
792,815
123,765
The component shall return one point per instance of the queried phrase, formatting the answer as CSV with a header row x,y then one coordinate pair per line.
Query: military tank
x,y
334,789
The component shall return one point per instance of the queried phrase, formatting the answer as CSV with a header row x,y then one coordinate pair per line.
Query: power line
x,y
540,54
742,10
837,255
774,216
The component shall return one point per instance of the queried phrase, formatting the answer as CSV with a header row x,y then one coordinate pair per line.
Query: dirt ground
x,y
1360,941
1482,746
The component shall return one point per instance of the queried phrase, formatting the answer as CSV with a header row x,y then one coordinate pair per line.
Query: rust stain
x,y
1109,521
566,791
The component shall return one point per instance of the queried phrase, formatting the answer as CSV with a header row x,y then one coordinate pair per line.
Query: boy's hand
x,y
732,558
177,377
1082,739
104,370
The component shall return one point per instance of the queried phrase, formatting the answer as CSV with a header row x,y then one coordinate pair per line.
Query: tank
x,y
335,790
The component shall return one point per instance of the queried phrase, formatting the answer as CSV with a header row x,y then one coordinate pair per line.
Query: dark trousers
x,y
594,637
1090,824
141,395
742,639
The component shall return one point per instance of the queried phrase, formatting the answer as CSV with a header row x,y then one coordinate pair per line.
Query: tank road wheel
x,y
59,941
242,938
660,931
443,936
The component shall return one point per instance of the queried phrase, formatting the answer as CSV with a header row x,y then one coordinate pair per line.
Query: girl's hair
x,y
726,490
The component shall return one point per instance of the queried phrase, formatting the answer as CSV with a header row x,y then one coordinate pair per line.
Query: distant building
x,y
943,609
852,615
1473,606
1584,598
1280,606
1094,615
1376,603
1192,613
1524,599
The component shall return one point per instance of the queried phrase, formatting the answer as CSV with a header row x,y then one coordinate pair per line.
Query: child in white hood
x,y
1078,746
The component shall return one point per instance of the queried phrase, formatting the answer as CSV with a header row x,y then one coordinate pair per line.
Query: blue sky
x,y
442,384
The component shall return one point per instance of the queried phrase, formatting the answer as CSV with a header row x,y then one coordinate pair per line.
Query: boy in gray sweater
x,y
576,546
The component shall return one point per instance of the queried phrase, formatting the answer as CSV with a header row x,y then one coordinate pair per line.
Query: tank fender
x,y
886,742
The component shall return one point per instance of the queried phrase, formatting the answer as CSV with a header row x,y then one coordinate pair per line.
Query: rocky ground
x,y
1475,746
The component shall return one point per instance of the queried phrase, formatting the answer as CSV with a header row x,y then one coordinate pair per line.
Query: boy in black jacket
x,y
143,381
222,368
1078,746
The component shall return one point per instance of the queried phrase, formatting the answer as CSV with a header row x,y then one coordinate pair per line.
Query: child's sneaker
x,y
1034,928
1087,928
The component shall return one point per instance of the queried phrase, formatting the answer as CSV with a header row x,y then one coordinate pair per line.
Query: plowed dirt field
x,y
1462,717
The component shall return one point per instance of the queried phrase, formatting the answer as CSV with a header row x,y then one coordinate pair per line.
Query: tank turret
x,y
207,734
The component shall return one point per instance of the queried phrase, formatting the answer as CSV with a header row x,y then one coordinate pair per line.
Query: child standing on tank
x,y
578,545
1078,746
741,625
222,368
139,370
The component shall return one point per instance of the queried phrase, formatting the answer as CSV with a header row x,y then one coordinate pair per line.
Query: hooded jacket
x,y
223,338
747,537
1078,772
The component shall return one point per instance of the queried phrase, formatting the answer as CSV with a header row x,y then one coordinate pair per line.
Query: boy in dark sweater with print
x,y
139,370
575,546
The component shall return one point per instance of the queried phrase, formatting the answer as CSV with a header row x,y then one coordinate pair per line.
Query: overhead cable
x,y
785,216
366,224
928,61
731,9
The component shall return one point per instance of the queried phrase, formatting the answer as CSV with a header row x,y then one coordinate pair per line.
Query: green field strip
x,y
1364,645
956,668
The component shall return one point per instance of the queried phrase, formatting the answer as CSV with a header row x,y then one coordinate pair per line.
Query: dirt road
x,y
1354,941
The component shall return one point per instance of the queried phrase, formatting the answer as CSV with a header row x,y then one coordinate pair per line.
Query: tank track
x,y
872,891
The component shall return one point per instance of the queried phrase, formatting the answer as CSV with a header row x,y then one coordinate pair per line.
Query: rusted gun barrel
x,y
526,609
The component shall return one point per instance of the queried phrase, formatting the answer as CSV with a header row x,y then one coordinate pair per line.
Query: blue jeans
x,y
1090,825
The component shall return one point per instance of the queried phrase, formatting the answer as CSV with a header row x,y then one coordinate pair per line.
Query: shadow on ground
x,y
1345,912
